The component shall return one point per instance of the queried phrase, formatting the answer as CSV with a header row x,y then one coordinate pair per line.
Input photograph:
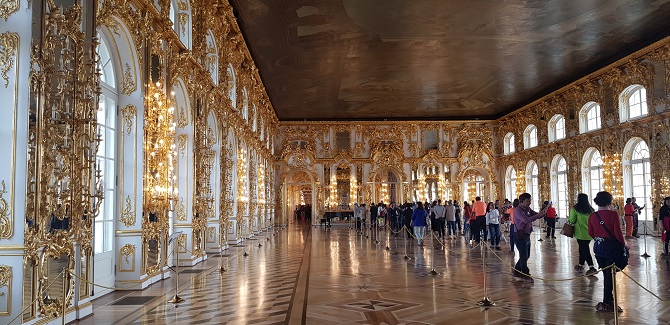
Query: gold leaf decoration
x,y
181,210
8,7
128,114
182,140
128,215
129,85
6,224
9,45
127,258
183,21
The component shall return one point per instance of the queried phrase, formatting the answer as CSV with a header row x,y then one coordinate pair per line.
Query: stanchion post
x,y
432,254
540,225
406,230
486,302
616,304
176,299
645,255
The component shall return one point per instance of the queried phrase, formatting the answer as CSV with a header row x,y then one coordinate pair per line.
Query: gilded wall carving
x,y
6,278
128,214
603,87
9,47
128,113
128,86
8,7
6,223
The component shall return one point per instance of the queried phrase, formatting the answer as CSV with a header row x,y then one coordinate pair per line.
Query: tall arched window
x,y
637,178
559,185
532,184
106,156
633,103
245,104
589,117
212,59
180,15
556,128
510,183
530,137
592,171
232,86
508,143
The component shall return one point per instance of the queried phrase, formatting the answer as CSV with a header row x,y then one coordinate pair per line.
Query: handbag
x,y
620,254
568,230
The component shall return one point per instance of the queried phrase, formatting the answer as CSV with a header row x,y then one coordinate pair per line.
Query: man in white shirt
x,y
450,218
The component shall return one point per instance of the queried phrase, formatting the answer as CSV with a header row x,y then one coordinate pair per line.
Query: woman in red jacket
x,y
601,234
550,219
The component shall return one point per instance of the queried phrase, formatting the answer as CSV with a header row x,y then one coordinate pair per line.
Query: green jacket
x,y
581,222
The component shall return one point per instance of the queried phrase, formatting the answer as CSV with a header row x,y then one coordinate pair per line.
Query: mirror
x,y
151,256
197,241
51,282
84,266
29,289
343,188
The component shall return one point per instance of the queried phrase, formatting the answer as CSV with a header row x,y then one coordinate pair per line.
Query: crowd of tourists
x,y
484,223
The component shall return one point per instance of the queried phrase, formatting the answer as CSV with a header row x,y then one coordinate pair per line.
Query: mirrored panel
x,y
29,289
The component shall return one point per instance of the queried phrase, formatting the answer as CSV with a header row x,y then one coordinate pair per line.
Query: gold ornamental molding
x,y
183,21
129,85
6,224
182,140
9,46
181,243
129,112
8,7
6,289
128,215
181,210
127,258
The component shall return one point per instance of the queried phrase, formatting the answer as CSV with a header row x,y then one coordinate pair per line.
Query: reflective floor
x,y
306,275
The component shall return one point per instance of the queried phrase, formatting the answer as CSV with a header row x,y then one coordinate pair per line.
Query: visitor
x,y
664,216
493,222
601,224
579,217
419,222
550,219
523,219
450,217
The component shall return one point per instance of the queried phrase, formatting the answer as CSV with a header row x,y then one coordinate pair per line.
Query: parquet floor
x,y
305,275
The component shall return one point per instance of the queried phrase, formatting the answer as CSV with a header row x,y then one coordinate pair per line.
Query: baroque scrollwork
x,y
129,86
8,7
128,112
9,46
6,224
128,214
127,258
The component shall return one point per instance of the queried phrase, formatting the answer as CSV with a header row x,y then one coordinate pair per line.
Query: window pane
x,y
560,128
110,108
98,238
109,229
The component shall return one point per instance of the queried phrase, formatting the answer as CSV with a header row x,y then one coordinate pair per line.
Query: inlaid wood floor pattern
x,y
305,275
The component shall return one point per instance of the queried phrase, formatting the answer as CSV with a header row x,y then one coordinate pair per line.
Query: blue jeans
x,y
494,231
451,228
523,244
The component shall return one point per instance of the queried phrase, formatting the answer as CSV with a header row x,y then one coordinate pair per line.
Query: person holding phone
x,y
523,220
